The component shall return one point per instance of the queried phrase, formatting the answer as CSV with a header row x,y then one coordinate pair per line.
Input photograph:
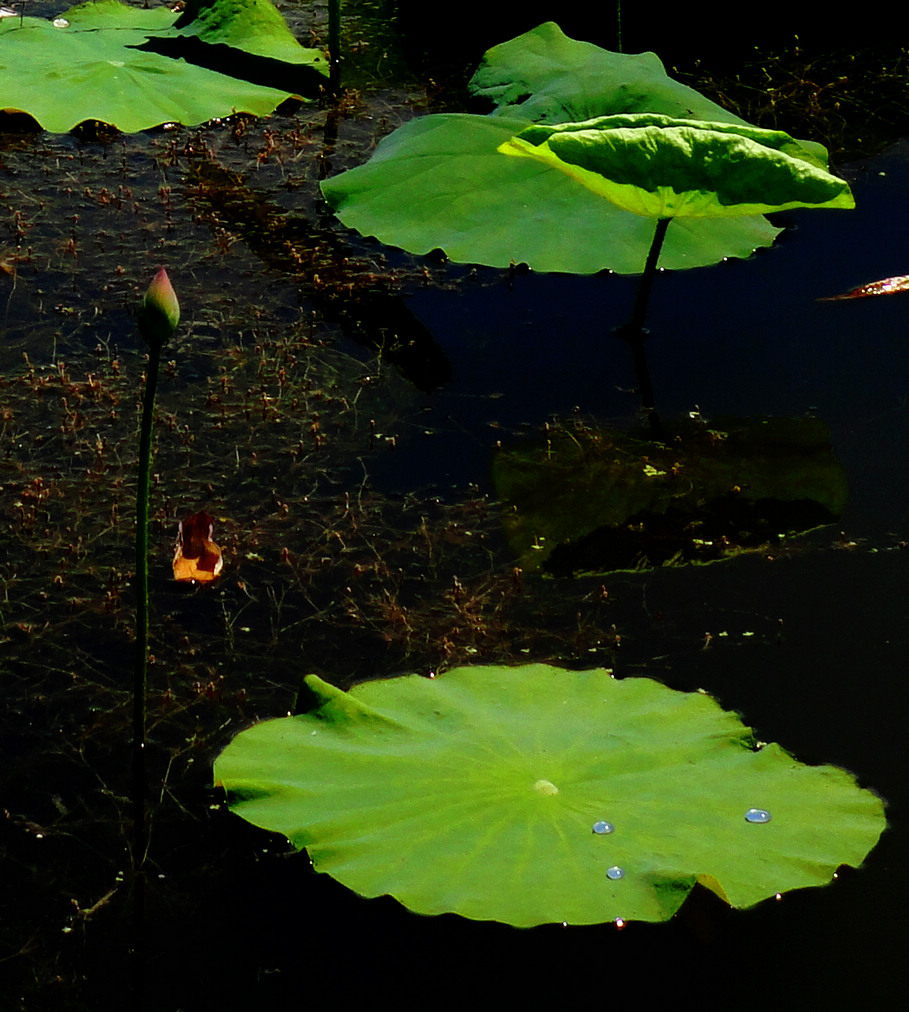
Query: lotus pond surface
x,y
337,408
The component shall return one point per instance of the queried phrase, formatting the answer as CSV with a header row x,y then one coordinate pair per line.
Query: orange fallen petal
x,y
197,557
885,287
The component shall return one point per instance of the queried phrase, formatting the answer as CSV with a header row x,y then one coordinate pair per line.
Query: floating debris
x,y
885,287
197,557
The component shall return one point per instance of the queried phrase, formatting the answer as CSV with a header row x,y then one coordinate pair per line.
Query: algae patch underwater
x,y
480,793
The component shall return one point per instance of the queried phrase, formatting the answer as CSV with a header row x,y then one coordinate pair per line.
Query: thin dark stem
x,y
334,45
642,298
140,822
642,373
143,487
633,331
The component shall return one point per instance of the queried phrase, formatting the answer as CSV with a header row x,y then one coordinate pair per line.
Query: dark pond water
x,y
347,500
742,338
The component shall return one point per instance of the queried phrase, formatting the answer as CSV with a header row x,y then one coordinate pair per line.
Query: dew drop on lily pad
x,y
602,828
757,815
615,872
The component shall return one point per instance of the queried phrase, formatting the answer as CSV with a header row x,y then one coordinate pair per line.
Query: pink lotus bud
x,y
159,313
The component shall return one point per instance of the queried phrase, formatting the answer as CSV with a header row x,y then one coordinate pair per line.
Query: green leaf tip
x,y
535,794
326,702
159,314
664,167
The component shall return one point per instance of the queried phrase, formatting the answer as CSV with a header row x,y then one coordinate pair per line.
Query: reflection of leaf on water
x,y
197,557
594,501
534,794
887,286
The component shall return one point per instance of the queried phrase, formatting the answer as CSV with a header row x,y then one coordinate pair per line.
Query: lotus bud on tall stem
x,y
158,318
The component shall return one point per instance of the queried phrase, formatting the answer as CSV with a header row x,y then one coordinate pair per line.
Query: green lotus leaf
x,y
478,792
136,69
662,167
439,182
598,500
251,26
545,77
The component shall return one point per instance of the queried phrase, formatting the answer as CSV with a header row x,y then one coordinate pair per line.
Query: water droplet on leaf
x,y
757,815
602,828
615,872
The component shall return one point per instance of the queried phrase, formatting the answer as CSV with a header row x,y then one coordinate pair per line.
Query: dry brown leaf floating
x,y
197,557
885,287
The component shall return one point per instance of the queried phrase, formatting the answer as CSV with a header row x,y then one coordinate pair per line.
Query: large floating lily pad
x,y
135,68
478,793
590,500
441,182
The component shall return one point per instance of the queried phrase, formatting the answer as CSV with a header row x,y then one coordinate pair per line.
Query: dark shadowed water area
x,y
741,338
348,499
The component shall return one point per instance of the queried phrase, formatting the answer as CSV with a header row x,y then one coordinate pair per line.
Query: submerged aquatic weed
x,y
853,100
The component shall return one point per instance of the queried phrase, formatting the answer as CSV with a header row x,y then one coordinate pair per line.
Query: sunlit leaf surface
x,y
440,181
436,182
135,68
664,167
535,794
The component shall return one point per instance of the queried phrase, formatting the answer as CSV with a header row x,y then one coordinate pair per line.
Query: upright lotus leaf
x,y
439,181
535,794
135,68
545,77
662,167
253,26
599,500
